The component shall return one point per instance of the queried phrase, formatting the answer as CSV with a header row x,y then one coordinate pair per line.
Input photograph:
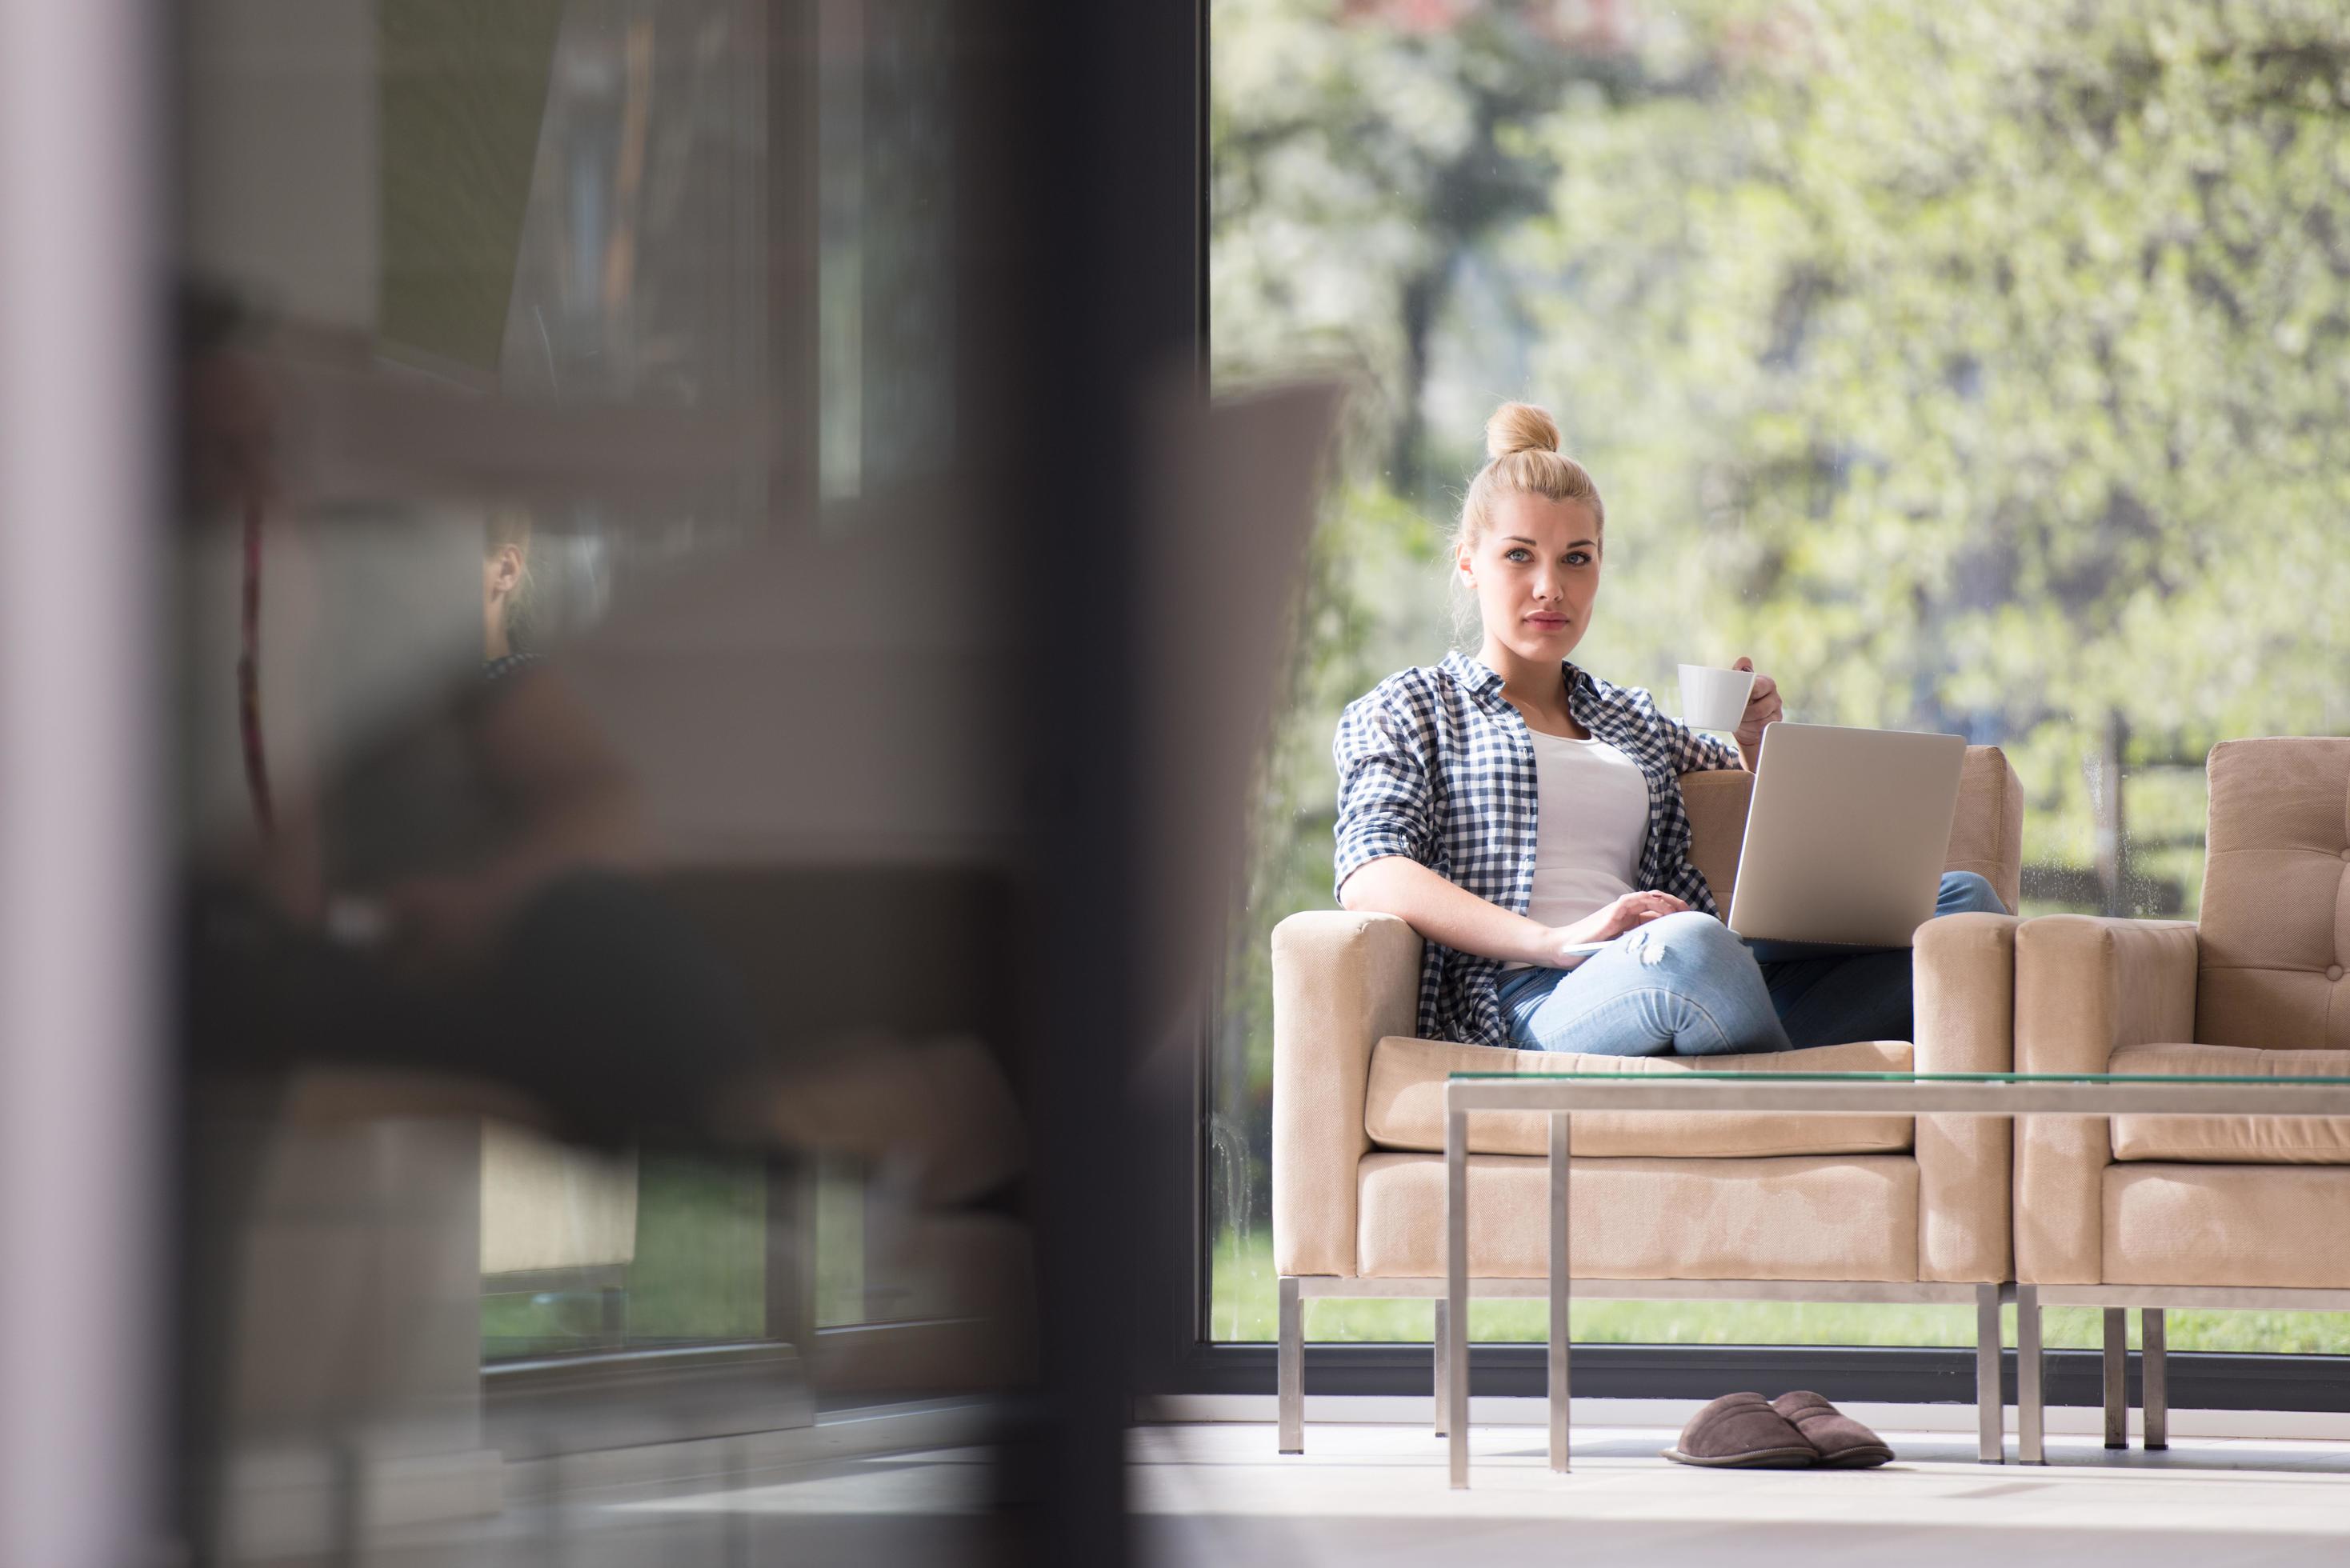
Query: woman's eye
x,y
1516,554
1578,559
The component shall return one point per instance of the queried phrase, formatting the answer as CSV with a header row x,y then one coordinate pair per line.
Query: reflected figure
x,y
436,911
446,906
473,907
550,797
462,891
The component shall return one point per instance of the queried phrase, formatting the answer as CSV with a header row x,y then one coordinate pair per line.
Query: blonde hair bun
x,y
1521,444
1520,427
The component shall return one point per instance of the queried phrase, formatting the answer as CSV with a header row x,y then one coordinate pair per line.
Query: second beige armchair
x,y
2196,1211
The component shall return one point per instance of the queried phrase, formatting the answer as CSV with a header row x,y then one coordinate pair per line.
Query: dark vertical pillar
x,y
1108,237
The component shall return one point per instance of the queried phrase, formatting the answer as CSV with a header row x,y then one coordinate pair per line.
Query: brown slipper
x,y
1741,1431
1844,1444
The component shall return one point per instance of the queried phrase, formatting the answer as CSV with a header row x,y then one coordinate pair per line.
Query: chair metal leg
x,y
1990,1414
2030,1410
1456,1291
2117,1377
2154,1373
1561,1285
1436,1342
1290,1367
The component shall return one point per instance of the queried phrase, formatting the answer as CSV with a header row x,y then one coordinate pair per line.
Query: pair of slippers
x,y
1796,1431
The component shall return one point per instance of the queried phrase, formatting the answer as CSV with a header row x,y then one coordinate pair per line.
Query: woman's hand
x,y
1763,709
1610,921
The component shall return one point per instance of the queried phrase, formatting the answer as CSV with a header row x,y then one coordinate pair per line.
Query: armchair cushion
x,y
1830,1216
1404,1108
2234,1141
1987,833
2275,920
2274,1226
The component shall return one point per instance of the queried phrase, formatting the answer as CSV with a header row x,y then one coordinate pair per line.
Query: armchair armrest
x,y
1965,1008
2084,988
1341,982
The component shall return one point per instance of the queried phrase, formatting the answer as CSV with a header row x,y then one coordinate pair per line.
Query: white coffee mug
x,y
1714,699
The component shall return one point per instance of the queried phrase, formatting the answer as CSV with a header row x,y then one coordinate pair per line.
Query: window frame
x,y
1176,1354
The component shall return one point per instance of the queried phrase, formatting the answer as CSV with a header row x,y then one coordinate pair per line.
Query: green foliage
x,y
1991,359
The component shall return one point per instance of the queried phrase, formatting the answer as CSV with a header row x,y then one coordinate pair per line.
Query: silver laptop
x,y
1846,836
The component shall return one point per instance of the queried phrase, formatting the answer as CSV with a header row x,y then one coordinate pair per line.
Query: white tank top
x,y
1591,822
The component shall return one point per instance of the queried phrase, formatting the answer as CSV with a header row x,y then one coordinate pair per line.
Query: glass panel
x,y
495,317
476,306
607,835
1922,353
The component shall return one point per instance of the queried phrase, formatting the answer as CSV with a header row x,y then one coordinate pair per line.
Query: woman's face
x,y
1536,574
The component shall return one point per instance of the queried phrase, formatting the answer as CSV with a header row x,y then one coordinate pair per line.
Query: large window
x,y
1974,368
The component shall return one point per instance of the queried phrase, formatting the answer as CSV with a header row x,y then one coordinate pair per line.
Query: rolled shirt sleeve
x,y
1695,751
1386,802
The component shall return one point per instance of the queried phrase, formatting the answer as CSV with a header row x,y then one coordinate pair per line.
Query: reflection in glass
x,y
559,800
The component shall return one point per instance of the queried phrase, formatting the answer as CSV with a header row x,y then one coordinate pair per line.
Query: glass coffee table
x,y
1798,1094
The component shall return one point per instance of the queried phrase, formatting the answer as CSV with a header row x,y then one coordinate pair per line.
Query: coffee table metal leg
x,y
2156,1371
1456,1292
2117,1377
1562,1285
1990,1416
2030,1409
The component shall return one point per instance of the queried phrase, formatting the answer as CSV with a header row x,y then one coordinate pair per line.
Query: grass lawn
x,y
1243,1306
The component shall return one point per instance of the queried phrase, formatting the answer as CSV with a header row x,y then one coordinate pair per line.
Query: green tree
x,y
1980,367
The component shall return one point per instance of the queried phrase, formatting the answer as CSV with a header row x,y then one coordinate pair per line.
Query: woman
x,y
1514,807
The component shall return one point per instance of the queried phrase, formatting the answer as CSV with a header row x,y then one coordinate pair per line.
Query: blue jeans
x,y
1685,985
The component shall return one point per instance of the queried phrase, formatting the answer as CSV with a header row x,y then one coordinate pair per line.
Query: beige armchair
x,y
2195,1211
1665,1207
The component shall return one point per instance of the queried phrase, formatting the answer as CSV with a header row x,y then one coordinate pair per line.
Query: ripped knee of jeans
x,y
1646,945
1687,936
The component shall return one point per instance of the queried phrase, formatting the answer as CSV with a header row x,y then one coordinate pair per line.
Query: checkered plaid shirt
x,y
1434,765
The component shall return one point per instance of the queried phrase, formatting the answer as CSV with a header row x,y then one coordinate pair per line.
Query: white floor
x,y
1366,1496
